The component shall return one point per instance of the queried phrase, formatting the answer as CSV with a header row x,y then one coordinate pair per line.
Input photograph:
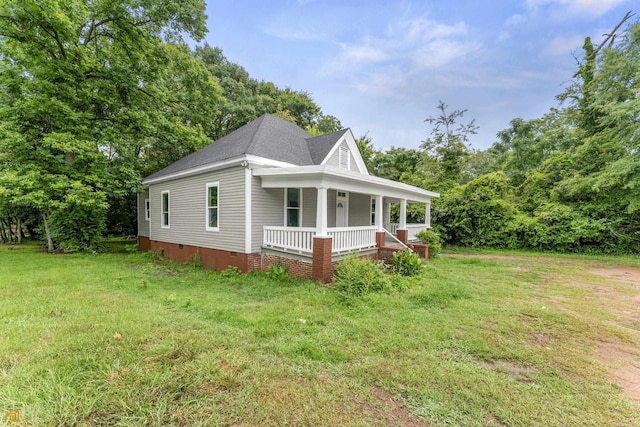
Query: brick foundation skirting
x,y
295,267
216,259
386,254
220,260
144,244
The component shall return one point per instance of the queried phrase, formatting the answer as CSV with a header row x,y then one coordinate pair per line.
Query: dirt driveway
x,y
623,360
616,290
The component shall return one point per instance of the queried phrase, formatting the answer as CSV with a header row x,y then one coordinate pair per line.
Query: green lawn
x,y
129,340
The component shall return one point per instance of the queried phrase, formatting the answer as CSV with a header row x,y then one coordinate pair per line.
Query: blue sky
x,y
382,66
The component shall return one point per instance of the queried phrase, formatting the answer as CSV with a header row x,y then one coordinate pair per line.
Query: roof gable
x,y
321,146
348,139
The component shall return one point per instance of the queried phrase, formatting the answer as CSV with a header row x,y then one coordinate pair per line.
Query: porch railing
x,y
412,229
294,239
347,239
300,239
391,227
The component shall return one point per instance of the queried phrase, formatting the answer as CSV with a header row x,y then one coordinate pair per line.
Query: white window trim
x,y
286,207
342,151
168,193
147,210
206,218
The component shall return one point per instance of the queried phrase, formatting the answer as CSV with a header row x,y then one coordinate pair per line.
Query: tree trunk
x,y
3,235
12,234
19,230
47,232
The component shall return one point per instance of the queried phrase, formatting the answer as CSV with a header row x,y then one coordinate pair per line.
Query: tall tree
x,y
246,98
88,88
447,143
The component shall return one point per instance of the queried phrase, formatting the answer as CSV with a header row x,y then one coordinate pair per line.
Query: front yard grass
x,y
126,339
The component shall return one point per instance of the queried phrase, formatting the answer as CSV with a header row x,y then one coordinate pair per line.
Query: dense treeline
x,y
568,181
95,95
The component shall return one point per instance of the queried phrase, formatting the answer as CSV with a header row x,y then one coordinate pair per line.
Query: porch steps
x,y
394,248
392,243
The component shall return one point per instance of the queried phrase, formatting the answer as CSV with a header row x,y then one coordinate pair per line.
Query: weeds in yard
x,y
278,272
407,263
122,339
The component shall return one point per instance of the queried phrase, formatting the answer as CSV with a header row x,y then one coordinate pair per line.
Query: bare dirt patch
x,y
622,359
624,275
522,374
623,362
391,410
618,294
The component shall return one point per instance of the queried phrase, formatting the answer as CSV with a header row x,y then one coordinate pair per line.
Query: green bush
x,y
407,263
358,276
431,238
78,228
230,271
278,272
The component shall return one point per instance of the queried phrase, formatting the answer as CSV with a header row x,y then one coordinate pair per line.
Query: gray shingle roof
x,y
320,146
267,136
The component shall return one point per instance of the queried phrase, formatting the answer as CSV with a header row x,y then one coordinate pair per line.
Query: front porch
x,y
299,240
344,240
329,213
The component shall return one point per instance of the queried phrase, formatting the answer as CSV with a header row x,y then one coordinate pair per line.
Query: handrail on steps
x,y
387,233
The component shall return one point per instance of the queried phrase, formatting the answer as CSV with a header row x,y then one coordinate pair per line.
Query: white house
x,y
270,193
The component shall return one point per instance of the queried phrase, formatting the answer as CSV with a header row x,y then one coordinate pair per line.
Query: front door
x,y
342,209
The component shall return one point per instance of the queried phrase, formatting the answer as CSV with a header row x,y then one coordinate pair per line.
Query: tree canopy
x,y
87,88
97,94
567,181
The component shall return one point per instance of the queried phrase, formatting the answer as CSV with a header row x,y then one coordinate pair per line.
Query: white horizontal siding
x,y
359,210
331,208
187,206
267,209
309,202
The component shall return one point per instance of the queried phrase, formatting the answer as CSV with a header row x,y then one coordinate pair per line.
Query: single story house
x,y
271,193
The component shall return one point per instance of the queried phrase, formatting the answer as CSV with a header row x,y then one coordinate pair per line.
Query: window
x,y
373,210
147,210
212,206
344,157
165,209
293,205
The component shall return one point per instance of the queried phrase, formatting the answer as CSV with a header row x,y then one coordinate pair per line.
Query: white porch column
x,y
427,214
379,223
402,223
321,212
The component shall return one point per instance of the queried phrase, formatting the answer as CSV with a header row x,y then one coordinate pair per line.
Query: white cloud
x,y
591,7
595,7
564,45
386,63
515,20
363,53
504,35
438,55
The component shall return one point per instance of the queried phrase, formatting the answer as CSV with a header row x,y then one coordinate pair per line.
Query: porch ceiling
x,y
332,177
